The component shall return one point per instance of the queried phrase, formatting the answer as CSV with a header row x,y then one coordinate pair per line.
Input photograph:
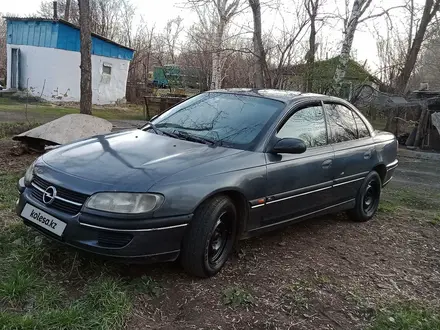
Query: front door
x,y
15,68
355,154
298,184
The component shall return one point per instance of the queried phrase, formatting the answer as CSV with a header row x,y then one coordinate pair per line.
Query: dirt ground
x,y
326,273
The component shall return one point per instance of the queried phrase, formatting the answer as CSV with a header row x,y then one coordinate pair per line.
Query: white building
x,y
43,56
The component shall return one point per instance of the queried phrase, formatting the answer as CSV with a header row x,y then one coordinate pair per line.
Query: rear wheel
x,y
210,237
367,199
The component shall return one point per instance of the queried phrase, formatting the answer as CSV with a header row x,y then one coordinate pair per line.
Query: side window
x,y
361,127
341,122
307,124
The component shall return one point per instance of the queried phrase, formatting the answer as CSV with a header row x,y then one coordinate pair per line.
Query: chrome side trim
x,y
259,205
385,183
303,216
131,230
57,197
392,165
347,182
299,195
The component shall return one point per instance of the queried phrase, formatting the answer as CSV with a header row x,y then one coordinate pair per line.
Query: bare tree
x,y
429,11
3,28
284,51
222,13
127,13
67,10
173,29
312,7
259,52
86,57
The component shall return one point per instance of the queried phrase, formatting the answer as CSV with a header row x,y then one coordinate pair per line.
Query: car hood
x,y
131,160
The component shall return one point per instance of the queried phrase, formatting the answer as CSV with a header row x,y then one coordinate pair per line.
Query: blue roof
x,y
60,34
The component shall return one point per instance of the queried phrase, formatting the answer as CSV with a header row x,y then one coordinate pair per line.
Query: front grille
x,y
115,240
66,194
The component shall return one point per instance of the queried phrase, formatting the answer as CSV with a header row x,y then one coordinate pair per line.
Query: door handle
x,y
367,154
327,163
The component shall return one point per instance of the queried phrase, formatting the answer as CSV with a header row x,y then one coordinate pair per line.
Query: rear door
x,y
298,184
354,150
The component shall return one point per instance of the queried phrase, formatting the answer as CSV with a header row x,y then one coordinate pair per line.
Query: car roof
x,y
276,94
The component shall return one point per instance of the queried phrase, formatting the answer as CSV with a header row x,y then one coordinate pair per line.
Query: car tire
x,y
367,198
210,237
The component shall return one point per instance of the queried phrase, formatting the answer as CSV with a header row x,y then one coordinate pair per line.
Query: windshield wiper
x,y
171,125
153,127
194,138
159,131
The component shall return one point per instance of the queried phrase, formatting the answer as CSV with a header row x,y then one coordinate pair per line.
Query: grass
x,y
133,112
8,190
406,316
147,285
11,129
295,295
46,286
435,220
36,292
411,199
236,296
387,206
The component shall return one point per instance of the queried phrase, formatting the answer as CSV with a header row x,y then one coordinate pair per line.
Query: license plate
x,y
43,219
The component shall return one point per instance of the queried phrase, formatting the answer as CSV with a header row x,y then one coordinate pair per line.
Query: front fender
x,y
184,197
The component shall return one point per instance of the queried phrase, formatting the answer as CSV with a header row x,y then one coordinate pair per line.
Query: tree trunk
x,y
67,11
430,10
217,56
259,52
86,57
358,9
421,128
311,57
312,11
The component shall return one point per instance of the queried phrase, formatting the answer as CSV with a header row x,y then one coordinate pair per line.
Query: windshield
x,y
230,119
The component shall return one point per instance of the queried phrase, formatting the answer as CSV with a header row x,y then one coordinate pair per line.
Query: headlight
x,y
29,175
124,202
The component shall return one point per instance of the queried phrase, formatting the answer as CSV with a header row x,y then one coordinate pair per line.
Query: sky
x,y
157,12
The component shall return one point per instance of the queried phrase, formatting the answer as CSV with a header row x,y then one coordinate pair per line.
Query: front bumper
x,y
141,240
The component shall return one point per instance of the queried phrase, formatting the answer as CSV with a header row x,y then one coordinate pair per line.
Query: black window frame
x,y
355,113
329,129
299,107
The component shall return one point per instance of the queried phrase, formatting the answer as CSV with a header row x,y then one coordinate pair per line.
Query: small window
x,y
106,69
361,127
341,121
307,124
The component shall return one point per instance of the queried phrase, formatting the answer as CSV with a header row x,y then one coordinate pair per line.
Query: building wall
x,y
54,74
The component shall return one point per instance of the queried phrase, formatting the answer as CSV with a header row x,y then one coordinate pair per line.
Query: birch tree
x,y
223,12
352,19
350,26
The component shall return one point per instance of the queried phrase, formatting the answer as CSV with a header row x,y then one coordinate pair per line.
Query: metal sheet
x,y
67,129
435,118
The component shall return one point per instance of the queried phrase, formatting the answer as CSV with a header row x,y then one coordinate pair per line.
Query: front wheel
x,y
367,198
210,237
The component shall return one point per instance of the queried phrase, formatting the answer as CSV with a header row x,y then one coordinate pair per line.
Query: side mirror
x,y
289,146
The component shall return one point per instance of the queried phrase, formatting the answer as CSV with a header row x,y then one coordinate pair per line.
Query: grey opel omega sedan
x,y
218,167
